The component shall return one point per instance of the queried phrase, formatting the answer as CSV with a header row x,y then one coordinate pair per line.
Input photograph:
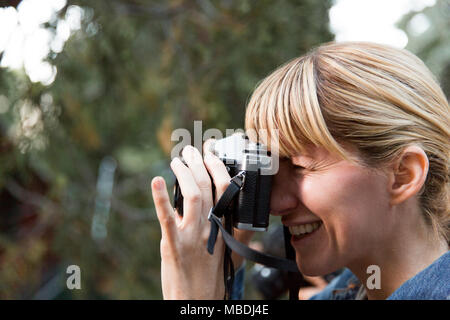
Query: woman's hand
x,y
188,271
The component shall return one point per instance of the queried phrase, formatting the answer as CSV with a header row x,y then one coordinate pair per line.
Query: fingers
x,y
207,145
192,196
194,160
217,170
164,209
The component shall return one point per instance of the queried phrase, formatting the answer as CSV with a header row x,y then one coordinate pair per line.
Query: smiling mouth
x,y
304,229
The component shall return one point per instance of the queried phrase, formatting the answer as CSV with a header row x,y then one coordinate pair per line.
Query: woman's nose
x,y
283,198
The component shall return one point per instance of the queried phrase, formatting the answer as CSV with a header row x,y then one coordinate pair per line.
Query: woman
x,y
364,144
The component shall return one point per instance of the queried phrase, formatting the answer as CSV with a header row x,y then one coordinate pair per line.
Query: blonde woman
x,y
364,133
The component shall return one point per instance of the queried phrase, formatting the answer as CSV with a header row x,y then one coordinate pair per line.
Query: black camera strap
x,y
221,209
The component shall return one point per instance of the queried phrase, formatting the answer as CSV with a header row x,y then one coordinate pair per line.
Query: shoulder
x,y
432,283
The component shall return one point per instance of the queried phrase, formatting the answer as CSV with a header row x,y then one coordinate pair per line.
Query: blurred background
x,y
90,92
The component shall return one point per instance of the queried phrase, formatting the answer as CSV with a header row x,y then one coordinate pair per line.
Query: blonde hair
x,y
377,98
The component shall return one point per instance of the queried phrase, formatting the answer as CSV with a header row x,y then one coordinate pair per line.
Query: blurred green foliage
x,y
134,72
432,45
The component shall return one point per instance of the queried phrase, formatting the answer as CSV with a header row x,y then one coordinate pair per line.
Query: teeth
x,y
301,229
304,228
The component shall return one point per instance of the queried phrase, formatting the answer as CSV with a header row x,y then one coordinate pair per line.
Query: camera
x,y
250,208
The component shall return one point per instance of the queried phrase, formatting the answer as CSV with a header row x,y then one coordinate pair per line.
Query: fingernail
x,y
157,183
188,150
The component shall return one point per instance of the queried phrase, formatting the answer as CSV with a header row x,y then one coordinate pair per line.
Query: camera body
x,y
251,207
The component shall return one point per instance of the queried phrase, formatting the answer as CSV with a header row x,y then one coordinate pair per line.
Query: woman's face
x,y
347,203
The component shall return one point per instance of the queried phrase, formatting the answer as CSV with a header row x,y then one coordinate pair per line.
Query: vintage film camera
x,y
250,209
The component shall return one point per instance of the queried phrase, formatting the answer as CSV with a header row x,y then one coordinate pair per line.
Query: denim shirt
x,y
432,283
237,290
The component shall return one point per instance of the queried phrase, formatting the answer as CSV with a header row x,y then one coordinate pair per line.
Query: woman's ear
x,y
408,174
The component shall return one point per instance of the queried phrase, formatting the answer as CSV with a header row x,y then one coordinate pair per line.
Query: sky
x,y
26,44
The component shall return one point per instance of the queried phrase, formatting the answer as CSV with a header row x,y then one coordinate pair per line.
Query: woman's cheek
x,y
321,193
348,200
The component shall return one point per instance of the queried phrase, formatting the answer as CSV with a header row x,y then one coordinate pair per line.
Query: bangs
x,y
284,112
